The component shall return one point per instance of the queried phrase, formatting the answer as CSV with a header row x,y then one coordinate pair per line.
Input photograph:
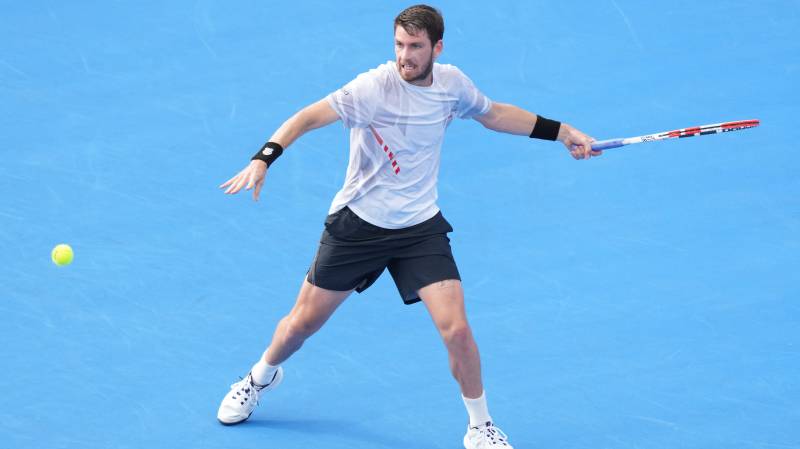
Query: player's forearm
x,y
507,118
292,129
311,117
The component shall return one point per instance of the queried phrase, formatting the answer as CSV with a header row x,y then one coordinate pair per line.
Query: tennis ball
x,y
62,255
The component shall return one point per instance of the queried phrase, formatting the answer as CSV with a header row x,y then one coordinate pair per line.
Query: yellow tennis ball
x,y
62,255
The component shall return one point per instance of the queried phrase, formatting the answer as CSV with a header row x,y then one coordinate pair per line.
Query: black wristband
x,y
268,153
545,129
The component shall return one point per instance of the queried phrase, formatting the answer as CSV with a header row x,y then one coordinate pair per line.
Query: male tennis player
x,y
385,215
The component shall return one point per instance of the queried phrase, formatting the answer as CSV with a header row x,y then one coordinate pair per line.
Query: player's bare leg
x,y
445,303
313,307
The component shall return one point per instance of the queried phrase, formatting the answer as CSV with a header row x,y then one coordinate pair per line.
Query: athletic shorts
x,y
352,254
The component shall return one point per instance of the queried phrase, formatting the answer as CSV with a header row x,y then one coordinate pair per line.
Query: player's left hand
x,y
251,176
578,144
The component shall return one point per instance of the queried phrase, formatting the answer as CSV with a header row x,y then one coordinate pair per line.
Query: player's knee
x,y
300,328
458,335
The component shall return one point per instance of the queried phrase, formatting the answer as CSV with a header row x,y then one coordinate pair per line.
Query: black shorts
x,y
352,254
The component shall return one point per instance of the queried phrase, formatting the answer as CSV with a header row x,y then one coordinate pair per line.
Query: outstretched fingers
x,y
251,180
257,190
251,176
237,184
227,183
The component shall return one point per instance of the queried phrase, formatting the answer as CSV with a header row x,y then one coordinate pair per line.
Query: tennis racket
x,y
678,133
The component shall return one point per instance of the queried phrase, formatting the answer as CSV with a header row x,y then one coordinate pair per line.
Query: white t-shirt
x,y
396,137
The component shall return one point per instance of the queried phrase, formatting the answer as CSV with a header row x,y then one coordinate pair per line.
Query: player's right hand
x,y
251,176
578,144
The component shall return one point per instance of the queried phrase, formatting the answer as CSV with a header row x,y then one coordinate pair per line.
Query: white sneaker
x,y
485,436
240,402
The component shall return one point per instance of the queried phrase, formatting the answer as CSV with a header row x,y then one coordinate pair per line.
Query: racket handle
x,y
606,144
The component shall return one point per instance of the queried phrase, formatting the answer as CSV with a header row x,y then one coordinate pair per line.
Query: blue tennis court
x,y
646,298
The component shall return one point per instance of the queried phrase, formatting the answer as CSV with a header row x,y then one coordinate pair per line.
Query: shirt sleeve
x,y
355,102
471,101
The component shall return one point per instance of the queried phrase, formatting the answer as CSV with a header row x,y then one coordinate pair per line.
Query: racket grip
x,y
606,144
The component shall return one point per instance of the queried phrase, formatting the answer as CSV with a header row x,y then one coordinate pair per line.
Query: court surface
x,y
644,299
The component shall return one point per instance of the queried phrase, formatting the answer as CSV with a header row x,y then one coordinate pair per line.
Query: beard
x,y
426,70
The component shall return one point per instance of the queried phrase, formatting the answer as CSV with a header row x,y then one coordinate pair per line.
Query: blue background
x,y
647,298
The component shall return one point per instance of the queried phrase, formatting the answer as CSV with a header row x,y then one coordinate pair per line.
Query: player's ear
x,y
437,49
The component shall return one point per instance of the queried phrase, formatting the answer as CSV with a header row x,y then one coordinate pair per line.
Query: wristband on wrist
x,y
268,153
545,129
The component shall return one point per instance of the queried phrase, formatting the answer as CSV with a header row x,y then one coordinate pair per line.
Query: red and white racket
x,y
678,133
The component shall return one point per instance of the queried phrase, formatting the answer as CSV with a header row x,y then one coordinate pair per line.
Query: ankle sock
x,y
477,409
263,372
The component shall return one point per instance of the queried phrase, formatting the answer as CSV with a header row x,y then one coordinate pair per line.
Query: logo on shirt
x,y
345,91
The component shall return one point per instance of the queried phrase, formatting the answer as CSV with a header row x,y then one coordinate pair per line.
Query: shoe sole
x,y
233,423
275,382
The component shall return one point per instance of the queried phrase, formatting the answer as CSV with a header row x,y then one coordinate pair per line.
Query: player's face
x,y
415,56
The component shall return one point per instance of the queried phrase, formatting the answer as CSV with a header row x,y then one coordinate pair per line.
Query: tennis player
x,y
385,216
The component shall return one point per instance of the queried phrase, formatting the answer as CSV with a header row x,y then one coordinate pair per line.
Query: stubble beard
x,y
421,77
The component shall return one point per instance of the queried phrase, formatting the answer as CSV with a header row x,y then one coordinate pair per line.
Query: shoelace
x,y
246,389
493,433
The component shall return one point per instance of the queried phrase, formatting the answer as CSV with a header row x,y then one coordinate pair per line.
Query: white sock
x,y
477,409
263,372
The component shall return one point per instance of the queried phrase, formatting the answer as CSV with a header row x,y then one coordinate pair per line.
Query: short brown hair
x,y
422,17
